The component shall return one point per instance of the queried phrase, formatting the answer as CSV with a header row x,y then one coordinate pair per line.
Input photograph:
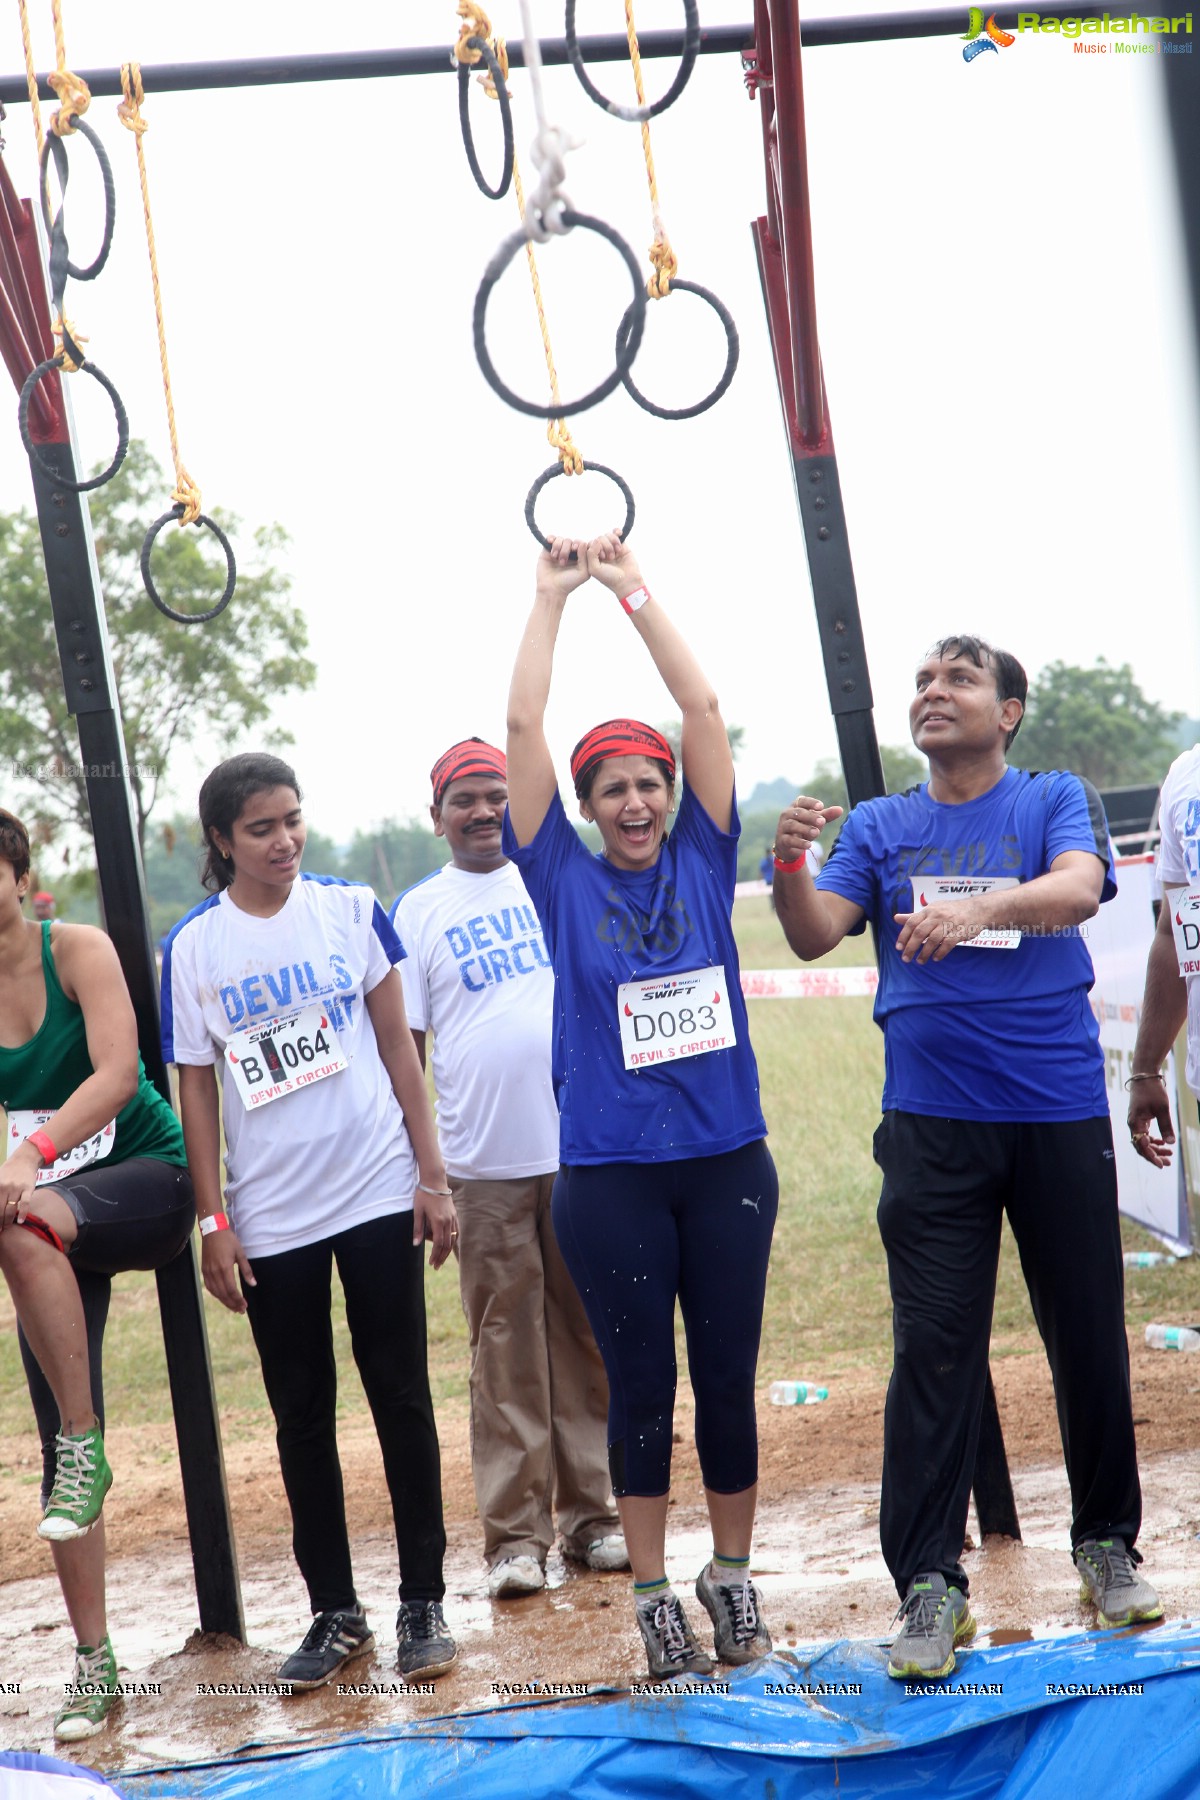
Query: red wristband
x,y
790,868
43,1146
213,1222
635,601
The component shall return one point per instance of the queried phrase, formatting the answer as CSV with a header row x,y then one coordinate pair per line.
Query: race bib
x,y
673,1016
1185,926
283,1056
932,890
92,1150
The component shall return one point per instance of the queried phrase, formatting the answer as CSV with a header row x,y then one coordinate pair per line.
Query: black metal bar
x,y
435,59
74,584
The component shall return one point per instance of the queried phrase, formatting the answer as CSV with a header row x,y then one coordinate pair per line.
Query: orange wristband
x,y
43,1146
790,868
213,1222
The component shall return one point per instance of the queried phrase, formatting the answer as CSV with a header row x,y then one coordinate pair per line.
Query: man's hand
x,y
1149,1105
613,564
557,575
800,825
932,933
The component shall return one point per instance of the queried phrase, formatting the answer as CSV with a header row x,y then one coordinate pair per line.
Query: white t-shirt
x,y
327,1156
1179,865
477,971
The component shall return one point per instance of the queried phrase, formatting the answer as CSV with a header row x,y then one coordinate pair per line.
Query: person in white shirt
x,y
1173,970
287,984
476,973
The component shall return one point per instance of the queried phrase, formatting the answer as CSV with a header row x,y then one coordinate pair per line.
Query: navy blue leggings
x,y
636,1236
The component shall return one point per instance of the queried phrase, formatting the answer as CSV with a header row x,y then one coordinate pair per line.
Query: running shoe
x,y
331,1641
515,1575
82,1478
605,1554
94,1693
671,1647
739,1630
936,1619
1108,1577
423,1642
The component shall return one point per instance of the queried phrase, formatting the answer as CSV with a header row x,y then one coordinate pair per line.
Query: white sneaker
x,y
515,1575
607,1554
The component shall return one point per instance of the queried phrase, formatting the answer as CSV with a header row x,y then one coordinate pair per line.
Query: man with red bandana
x,y
477,974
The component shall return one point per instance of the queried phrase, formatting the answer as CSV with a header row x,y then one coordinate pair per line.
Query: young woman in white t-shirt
x,y
289,982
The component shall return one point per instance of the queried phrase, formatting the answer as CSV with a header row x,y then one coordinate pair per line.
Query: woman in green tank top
x,y
95,1182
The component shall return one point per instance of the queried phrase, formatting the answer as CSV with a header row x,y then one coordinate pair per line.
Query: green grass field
x,y
821,1064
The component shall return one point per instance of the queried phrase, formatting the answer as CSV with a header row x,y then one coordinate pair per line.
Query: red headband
x,y
471,757
618,737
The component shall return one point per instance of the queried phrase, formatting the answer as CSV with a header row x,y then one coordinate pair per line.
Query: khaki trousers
x,y
539,1399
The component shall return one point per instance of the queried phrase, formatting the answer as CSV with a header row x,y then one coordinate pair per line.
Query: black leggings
x,y
130,1215
637,1235
383,1277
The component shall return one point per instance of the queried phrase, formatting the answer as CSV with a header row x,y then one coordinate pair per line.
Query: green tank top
x,y
44,1073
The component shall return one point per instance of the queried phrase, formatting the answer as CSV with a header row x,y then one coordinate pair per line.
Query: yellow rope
x,y
74,96
558,431
661,254
70,366
31,78
477,24
186,493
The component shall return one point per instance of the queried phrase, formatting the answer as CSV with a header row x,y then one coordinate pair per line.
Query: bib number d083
x,y
671,1017
283,1056
1185,927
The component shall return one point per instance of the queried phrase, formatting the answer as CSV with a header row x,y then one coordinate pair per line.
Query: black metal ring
x,y
637,115
63,481
182,618
731,360
55,144
531,499
626,351
464,118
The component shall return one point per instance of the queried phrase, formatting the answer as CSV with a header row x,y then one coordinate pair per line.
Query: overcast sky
x,y
1001,310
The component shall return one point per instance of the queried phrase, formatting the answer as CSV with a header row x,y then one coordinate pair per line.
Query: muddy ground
x,y
817,1563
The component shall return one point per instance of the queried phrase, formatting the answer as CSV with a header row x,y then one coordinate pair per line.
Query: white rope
x,y
547,202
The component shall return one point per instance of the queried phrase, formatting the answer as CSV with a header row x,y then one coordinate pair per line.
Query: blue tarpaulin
x,y
1110,1713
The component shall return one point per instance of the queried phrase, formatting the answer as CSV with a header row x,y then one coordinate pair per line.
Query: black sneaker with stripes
x,y
331,1641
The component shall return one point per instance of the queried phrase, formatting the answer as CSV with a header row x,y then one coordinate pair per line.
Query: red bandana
x,y
471,757
618,737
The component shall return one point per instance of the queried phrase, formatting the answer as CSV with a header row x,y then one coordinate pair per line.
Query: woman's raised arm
x,y
532,782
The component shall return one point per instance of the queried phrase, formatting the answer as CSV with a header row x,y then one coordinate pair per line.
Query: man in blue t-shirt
x,y
976,884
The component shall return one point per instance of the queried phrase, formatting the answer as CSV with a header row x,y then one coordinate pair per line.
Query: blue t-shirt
x,y
605,926
983,1034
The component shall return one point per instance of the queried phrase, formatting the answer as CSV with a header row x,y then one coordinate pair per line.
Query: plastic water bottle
x,y
1149,1259
799,1393
1172,1337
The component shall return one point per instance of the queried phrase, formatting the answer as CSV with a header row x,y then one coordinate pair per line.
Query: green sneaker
x,y
1108,1577
93,1695
82,1477
936,1619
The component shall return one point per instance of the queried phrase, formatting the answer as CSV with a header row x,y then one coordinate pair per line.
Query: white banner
x,y
1119,939
809,984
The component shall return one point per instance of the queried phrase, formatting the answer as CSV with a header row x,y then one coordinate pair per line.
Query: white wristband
x,y
635,601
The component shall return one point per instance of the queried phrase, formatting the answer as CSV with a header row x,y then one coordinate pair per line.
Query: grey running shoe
x,y
331,1641
423,1642
936,1618
739,1630
671,1647
1108,1577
